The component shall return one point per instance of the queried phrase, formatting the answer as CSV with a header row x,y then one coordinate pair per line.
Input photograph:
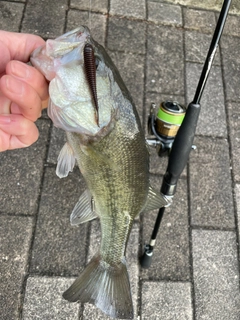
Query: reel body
x,y
163,125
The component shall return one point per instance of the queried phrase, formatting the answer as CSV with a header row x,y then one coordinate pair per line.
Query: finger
x,y
19,47
4,57
5,104
23,95
16,132
45,103
29,75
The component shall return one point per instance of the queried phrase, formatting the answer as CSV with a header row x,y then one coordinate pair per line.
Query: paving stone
x,y
131,68
166,301
212,119
43,300
21,174
207,4
95,22
237,196
91,5
165,66
59,248
171,254
215,274
124,35
197,45
45,18
15,237
129,8
210,184
233,110
57,141
90,311
231,66
232,26
164,13
203,21
10,16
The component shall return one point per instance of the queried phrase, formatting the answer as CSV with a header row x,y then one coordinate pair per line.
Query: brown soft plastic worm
x,y
90,70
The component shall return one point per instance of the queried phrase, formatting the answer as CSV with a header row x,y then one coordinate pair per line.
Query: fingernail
x,y
5,119
20,70
14,85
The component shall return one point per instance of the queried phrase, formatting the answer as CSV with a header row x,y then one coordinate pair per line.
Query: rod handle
x,y
181,148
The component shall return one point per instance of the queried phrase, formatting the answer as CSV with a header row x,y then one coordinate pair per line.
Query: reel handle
x,y
181,148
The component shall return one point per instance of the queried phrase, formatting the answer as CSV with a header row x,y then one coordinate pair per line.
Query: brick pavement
x,y
159,47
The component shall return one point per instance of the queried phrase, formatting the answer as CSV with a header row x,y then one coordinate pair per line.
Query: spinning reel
x,y
163,125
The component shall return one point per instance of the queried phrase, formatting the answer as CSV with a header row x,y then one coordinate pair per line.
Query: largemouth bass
x,y
90,101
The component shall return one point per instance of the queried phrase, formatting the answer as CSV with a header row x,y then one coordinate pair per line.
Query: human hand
x,y
23,91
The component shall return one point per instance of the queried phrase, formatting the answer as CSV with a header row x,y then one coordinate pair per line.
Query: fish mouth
x,y
85,95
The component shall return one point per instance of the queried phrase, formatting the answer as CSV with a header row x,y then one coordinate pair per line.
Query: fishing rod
x,y
172,118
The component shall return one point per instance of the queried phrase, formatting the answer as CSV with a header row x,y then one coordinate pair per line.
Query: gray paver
x,y
59,248
210,184
164,13
124,35
10,15
171,254
131,67
203,21
43,300
231,65
232,26
208,4
129,8
215,274
212,119
94,5
197,45
15,237
57,141
45,18
21,180
165,66
91,312
95,22
166,301
237,196
234,130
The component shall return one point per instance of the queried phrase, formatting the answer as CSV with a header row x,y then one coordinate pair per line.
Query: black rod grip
x,y
180,150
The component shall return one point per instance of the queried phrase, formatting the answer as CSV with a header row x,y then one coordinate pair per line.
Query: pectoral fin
x,y
65,161
83,210
155,200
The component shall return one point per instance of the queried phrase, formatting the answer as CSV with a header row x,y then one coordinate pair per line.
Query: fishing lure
x,y
90,70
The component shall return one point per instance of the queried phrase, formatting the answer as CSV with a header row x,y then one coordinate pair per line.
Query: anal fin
x,y
155,200
83,210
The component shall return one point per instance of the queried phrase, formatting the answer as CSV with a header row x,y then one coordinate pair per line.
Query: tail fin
x,y
105,286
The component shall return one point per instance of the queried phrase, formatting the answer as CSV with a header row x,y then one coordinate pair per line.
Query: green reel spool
x,y
169,118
